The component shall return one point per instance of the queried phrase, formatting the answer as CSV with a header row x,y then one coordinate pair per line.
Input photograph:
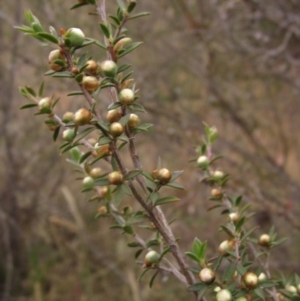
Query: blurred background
x,y
234,64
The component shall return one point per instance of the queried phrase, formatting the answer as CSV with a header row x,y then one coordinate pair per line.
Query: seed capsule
x,y
115,178
126,96
82,116
207,275
152,257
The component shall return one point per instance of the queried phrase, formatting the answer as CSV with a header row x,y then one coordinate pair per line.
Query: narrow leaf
x,y
82,134
105,30
153,278
165,200
29,105
129,49
48,37
56,132
84,157
132,174
142,14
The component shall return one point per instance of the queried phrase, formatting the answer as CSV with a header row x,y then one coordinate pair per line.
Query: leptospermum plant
x,y
95,136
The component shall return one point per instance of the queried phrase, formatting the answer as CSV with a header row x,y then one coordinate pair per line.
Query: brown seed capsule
x,y
115,178
109,68
68,135
102,210
91,83
126,96
224,295
75,37
152,257
92,66
207,276
216,193
95,172
88,182
67,117
250,280
133,121
116,129
82,116
225,246
264,240
113,115
163,175
45,105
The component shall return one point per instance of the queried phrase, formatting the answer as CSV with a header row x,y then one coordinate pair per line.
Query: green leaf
x,y
114,106
131,6
152,243
175,185
143,273
117,196
101,45
132,174
241,269
41,89
75,153
128,49
114,163
136,107
55,133
126,189
101,182
238,200
229,272
82,134
279,241
49,72
133,244
63,74
124,119
175,175
28,105
202,253
192,256
78,5
214,207
153,278
153,197
121,5
123,68
23,92
138,253
126,77
143,128
197,247
196,287
104,140
73,93
115,19
142,14
259,293
48,37
128,229
102,126
105,30
165,200
217,263
84,157
247,234
227,230
30,91
29,16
